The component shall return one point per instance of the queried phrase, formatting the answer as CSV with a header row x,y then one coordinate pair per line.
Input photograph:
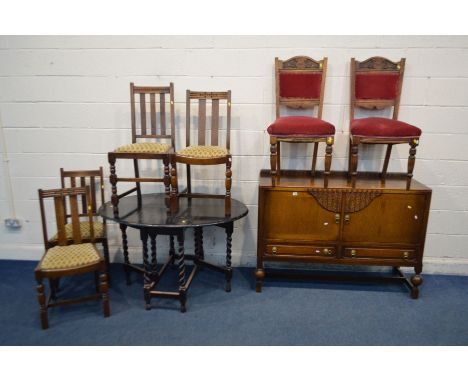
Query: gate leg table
x,y
156,217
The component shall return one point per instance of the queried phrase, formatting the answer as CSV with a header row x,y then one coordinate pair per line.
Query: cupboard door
x,y
297,216
389,218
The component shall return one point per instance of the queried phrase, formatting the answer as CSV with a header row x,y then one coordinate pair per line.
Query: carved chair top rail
x,y
91,178
80,173
151,89
300,63
377,63
62,192
208,95
59,196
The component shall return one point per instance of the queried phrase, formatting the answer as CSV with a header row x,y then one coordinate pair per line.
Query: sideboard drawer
x,y
380,253
300,250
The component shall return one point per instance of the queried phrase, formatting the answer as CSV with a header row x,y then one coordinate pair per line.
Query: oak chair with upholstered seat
x,y
300,84
203,154
69,255
145,149
376,84
95,180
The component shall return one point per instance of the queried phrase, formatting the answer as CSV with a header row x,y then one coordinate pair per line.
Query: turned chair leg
x,y
273,155
103,289
387,160
105,247
349,159
167,177
174,183
137,184
41,298
411,159
354,163
189,179
278,157
228,182
113,181
314,158
328,160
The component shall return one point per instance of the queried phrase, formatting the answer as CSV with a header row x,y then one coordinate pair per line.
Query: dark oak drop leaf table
x,y
157,215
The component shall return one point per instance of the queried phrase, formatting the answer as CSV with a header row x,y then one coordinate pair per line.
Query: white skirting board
x,y
432,265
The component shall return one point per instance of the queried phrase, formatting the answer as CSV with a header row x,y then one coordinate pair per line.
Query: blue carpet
x,y
286,313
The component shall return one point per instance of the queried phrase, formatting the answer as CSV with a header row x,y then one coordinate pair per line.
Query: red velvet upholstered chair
x,y
300,84
376,84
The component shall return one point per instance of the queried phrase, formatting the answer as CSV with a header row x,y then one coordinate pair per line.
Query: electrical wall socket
x,y
13,223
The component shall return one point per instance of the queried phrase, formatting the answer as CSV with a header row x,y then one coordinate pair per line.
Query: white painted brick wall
x,y
64,103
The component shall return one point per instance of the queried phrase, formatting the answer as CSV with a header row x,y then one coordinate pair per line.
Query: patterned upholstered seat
x,y
144,147
85,230
70,256
203,152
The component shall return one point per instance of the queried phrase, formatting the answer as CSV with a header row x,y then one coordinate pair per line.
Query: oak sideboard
x,y
376,223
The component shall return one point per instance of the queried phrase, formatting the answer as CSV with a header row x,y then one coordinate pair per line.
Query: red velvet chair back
x,y
300,83
376,84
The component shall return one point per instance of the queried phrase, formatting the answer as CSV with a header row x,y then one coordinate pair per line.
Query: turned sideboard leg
x,y
416,280
259,276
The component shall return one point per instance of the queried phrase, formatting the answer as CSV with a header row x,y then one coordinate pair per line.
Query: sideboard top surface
x,y
338,180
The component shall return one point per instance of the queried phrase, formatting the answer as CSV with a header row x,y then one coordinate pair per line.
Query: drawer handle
x,y
353,253
274,250
347,218
405,254
337,218
326,251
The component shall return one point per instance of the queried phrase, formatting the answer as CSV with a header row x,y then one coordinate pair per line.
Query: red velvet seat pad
x,y
383,127
301,126
376,86
300,85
